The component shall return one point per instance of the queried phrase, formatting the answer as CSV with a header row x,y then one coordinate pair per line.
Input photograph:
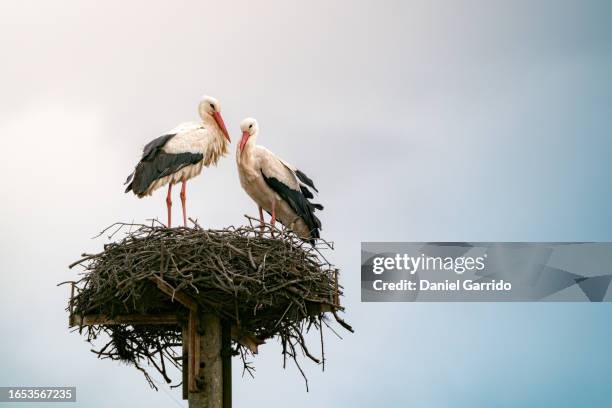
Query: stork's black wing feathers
x,y
155,145
155,164
163,164
299,203
307,193
305,179
149,152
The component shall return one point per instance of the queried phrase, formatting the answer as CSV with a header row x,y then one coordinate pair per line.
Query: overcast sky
x,y
418,120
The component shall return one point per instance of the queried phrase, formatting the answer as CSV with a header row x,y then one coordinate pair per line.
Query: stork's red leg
x,y
169,204
261,221
273,221
183,200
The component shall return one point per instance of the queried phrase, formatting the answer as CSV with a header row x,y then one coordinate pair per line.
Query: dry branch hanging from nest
x,y
263,286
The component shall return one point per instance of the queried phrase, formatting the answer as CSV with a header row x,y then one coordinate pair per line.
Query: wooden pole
x,y
226,354
209,367
185,363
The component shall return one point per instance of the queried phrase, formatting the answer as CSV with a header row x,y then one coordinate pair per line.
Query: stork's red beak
x,y
221,125
243,141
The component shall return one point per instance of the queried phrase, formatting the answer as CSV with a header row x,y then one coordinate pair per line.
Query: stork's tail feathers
x,y
305,180
128,180
314,223
299,202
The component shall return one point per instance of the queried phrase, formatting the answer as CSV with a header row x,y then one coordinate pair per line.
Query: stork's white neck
x,y
209,120
247,153
210,123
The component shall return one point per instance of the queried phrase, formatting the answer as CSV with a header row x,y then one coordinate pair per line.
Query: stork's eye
x,y
212,106
250,126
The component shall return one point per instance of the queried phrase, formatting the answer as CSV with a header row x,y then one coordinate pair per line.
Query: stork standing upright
x,y
276,186
180,155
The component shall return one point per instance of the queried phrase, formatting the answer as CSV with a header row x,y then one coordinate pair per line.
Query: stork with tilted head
x,y
276,186
180,155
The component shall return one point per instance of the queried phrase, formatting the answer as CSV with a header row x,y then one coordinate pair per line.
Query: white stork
x,y
180,155
276,186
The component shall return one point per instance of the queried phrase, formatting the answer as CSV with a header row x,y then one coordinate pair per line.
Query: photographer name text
x,y
446,285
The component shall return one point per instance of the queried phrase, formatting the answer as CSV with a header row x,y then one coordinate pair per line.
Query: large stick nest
x,y
263,285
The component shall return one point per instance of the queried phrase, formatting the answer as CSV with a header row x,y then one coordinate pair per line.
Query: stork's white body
x,y
193,137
